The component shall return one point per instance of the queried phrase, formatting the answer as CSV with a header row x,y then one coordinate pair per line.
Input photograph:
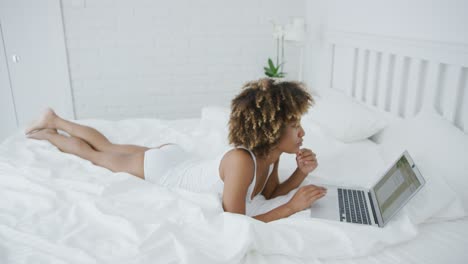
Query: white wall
x,y
437,20
167,59
434,20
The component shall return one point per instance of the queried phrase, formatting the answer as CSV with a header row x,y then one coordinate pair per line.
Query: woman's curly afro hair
x,y
262,110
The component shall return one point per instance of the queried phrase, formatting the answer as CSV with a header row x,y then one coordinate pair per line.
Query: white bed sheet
x,y
437,243
58,208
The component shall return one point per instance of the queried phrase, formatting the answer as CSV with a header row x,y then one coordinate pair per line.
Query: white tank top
x,y
251,188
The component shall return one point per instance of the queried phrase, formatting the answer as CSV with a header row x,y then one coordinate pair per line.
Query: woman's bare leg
x,y
71,145
117,162
49,119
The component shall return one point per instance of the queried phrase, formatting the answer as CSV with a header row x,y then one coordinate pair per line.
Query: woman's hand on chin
x,y
306,160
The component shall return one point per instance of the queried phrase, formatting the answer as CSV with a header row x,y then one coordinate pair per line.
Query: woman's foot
x,y
44,121
42,133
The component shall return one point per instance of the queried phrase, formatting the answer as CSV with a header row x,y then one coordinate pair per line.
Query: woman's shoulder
x,y
237,161
237,156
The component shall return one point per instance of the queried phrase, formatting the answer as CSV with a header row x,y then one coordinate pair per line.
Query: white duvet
x,y
58,208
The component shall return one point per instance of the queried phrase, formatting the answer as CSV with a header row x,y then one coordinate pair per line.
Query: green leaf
x,y
273,70
271,64
269,71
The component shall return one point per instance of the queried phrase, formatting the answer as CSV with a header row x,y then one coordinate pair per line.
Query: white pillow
x,y
440,150
212,131
345,118
215,115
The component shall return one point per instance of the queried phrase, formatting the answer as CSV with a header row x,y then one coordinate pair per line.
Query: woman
x,y
264,123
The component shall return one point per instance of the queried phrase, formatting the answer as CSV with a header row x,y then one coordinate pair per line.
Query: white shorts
x,y
173,167
159,161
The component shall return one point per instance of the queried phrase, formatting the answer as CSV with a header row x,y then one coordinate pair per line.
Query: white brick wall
x,y
167,59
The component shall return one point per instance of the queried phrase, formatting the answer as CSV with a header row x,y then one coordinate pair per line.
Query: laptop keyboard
x,y
353,206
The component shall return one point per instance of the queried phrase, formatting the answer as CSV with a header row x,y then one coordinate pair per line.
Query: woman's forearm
x,y
290,184
282,211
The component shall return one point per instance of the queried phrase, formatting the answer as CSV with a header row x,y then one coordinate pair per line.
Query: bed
x,y
381,95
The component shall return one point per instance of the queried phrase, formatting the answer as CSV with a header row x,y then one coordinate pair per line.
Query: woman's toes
x,y
42,133
44,121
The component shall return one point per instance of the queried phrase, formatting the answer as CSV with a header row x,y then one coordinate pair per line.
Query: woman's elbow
x,y
270,195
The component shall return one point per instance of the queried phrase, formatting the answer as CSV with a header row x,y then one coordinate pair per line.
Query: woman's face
x,y
291,140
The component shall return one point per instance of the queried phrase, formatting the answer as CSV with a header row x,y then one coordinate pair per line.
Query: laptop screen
x,y
396,187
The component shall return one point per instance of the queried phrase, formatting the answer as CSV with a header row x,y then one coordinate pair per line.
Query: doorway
x,y
34,67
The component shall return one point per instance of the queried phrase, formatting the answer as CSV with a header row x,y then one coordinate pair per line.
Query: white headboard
x,y
400,76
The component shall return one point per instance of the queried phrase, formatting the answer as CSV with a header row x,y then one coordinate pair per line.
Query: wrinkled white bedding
x,y
58,208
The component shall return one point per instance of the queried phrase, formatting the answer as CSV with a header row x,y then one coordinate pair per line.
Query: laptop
x,y
374,206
